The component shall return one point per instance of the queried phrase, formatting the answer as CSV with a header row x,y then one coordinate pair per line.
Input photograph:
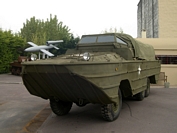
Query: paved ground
x,y
23,113
17,106
155,114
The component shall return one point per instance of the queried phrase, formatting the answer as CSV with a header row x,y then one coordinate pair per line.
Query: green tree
x,y
9,45
67,44
40,31
33,30
113,30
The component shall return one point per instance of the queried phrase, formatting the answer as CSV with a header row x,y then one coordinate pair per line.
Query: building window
x,y
167,59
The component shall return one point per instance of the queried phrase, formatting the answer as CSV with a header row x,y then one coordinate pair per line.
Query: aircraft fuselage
x,y
37,48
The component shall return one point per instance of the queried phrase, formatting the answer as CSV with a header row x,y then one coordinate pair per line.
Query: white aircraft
x,y
43,48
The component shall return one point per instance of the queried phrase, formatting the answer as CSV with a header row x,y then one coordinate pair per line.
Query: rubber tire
x,y
60,107
18,71
140,96
147,91
13,71
108,111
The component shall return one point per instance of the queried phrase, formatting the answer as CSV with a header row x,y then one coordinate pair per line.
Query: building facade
x,y
157,25
158,18
166,51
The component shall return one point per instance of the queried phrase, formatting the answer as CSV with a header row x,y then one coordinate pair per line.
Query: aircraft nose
x,y
26,50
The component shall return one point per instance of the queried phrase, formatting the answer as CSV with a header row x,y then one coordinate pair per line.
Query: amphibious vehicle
x,y
102,69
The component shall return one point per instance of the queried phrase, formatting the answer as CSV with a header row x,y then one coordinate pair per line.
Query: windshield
x,y
106,38
97,39
88,39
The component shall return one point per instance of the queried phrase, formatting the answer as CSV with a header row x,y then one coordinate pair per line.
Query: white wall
x,y
171,72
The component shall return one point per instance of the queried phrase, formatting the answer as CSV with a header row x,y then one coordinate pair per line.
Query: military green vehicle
x,y
102,69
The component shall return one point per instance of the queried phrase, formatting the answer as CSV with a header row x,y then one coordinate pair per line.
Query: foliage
x,y
67,44
40,31
37,31
9,45
113,30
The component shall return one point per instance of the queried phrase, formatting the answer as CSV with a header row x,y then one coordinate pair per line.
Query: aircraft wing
x,y
54,42
32,44
54,46
46,52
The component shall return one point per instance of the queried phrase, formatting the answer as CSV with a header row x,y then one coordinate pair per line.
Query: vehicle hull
x,y
87,82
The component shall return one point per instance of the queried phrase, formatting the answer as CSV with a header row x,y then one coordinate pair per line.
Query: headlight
x,y
33,57
86,56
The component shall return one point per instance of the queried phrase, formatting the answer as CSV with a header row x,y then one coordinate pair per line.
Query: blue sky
x,y
81,16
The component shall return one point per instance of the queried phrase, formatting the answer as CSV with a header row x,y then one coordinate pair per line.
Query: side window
x,y
120,41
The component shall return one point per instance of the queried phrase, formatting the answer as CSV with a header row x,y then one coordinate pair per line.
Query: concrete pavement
x,y
155,114
21,112
17,106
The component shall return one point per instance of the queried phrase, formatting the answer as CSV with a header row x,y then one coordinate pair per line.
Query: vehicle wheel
x,y
60,107
13,71
110,112
18,71
80,105
147,91
140,96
